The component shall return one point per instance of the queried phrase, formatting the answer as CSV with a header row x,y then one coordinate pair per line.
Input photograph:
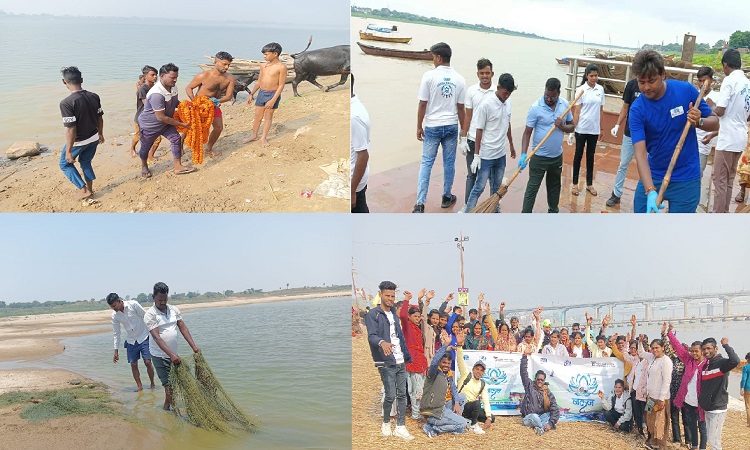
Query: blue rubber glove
x,y
522,161
651,203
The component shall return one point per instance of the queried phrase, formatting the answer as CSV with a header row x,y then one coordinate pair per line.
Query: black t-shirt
x,y
82,109
631,93
139,97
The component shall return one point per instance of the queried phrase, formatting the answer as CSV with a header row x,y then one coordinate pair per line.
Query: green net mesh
x,y
206,403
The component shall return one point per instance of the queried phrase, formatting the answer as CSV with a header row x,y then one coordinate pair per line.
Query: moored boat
x,y
395,53
368,36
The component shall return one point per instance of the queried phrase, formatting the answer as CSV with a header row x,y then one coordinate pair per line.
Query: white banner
x,y
575,382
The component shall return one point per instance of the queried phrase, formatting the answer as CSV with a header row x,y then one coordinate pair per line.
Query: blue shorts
x,y
136,350
265,96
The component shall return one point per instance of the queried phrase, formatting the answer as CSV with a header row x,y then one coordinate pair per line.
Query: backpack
x,y
466,381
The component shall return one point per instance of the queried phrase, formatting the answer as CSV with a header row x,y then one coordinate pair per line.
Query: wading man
x,y
84,131
129,314
163,322
212,83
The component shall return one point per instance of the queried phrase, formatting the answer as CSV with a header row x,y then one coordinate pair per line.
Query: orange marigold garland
x,y
199,113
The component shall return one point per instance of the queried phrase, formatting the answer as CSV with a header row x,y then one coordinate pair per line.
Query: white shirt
x,y
167,325
620,403
360,137
705,149
734,95
396,349
556,351
493,118
638,371
691,398
443,89
577,351
592,101
474,96
132,320
659,377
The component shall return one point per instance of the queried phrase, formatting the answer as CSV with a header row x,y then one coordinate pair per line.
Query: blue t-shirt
x,y
660,123
541,118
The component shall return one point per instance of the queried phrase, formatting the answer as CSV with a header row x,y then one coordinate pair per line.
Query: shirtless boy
x,y
271,83
212,83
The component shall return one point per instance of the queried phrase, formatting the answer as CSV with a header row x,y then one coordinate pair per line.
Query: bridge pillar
x,y
611,311
709,310
725,304
597,317
562,317
649,307
687,312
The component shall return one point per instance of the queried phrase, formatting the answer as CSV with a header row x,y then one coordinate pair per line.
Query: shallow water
x,y
110,54
286,363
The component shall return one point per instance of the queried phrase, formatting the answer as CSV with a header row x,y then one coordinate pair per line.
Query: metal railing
x,y
576,70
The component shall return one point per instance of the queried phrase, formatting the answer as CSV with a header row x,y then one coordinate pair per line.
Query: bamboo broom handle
x,y
678,149
549,133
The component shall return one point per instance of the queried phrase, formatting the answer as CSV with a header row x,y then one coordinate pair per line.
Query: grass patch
x,y
87,399
714,60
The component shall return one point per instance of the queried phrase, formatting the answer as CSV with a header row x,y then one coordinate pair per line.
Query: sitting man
x,y
619,409
442,416
539,407
477,406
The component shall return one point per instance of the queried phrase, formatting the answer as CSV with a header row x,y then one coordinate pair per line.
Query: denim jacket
x,y
379,330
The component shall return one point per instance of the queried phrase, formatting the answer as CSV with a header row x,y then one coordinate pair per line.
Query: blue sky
x,y
83,256
543,259
626,23
309,14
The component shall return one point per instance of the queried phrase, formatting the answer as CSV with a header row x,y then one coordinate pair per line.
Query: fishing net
x,y
206,403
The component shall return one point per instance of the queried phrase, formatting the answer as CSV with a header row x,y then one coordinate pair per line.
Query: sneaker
x,y
476,428
448,201
613,200
402,432
539,431
462,210
386,429
418,208
429,431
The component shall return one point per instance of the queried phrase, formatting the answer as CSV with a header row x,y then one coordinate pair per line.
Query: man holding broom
x,y
163,322
544,115
657,120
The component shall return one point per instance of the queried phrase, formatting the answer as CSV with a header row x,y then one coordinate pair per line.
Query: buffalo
x,y
321,62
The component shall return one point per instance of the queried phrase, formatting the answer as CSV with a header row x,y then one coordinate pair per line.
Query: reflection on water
x,y
287,363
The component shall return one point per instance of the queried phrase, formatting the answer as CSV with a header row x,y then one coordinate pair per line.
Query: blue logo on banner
x,y
495,376
583,384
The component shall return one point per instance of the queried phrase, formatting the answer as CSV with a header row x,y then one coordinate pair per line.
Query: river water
x,y
287,363
110,53
388,87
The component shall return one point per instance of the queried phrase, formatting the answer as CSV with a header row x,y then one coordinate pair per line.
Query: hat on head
x,y
480,363
546,323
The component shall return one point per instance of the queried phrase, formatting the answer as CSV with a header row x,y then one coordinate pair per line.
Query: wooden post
x,y
688,48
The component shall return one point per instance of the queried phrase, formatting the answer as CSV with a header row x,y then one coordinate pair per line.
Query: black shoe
x,y
613,200
448,201
418,208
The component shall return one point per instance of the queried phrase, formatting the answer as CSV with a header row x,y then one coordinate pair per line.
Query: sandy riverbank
x,y
308,132
24,338
506,431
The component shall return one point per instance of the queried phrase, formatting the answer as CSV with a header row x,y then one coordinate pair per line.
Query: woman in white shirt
x,y
587,115
657,389
555,347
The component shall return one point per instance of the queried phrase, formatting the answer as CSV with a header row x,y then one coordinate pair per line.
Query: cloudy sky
x,y
322,13
83,256
629,23
543,259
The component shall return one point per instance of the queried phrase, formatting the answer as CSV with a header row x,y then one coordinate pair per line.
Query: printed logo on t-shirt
x,y
677,111
446,88
69,119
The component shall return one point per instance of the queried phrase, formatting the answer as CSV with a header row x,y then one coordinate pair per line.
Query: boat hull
x,y
423,55
374,37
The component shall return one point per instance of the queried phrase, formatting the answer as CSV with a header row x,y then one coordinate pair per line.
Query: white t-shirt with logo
x,y
493,118
705,149
474,96
592,101
442,88
734,95
360,137
396,349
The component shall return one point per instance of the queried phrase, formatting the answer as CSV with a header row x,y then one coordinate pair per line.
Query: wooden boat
x,y
563,61
243,67
395,53
367,36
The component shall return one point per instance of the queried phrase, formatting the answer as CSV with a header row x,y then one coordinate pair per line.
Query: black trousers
x,y
588,140
675,414
539,166
361,205
692,420
475,412
613,416
638,409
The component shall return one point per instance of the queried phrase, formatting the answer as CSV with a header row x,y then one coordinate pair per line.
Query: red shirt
x,y
413,338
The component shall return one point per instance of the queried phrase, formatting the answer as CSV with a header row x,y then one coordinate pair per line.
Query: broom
x,y
678,149
490,205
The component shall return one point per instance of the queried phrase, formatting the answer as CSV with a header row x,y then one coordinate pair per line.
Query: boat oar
x,y
678,149
490,205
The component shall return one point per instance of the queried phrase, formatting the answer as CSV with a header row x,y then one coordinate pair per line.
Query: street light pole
x,y
460,244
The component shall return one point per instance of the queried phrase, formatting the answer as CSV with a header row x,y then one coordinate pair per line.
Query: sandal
x,y
146,173
591,190
740,197
575,189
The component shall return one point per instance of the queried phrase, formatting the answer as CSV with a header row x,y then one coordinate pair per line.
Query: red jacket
x,y
413,338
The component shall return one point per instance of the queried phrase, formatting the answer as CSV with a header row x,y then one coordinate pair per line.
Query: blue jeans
x,y
535,420
626,155
449,422
84,153
683,196
394,383
447,136
492,169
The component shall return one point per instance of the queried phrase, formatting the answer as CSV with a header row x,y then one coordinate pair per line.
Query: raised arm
x,y
589,339
493,328
525,373
733,360
668,349
460,354
445,339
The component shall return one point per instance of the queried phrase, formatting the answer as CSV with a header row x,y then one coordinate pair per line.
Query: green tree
x,y
739,39
228,292
2,304
142,297
719,43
